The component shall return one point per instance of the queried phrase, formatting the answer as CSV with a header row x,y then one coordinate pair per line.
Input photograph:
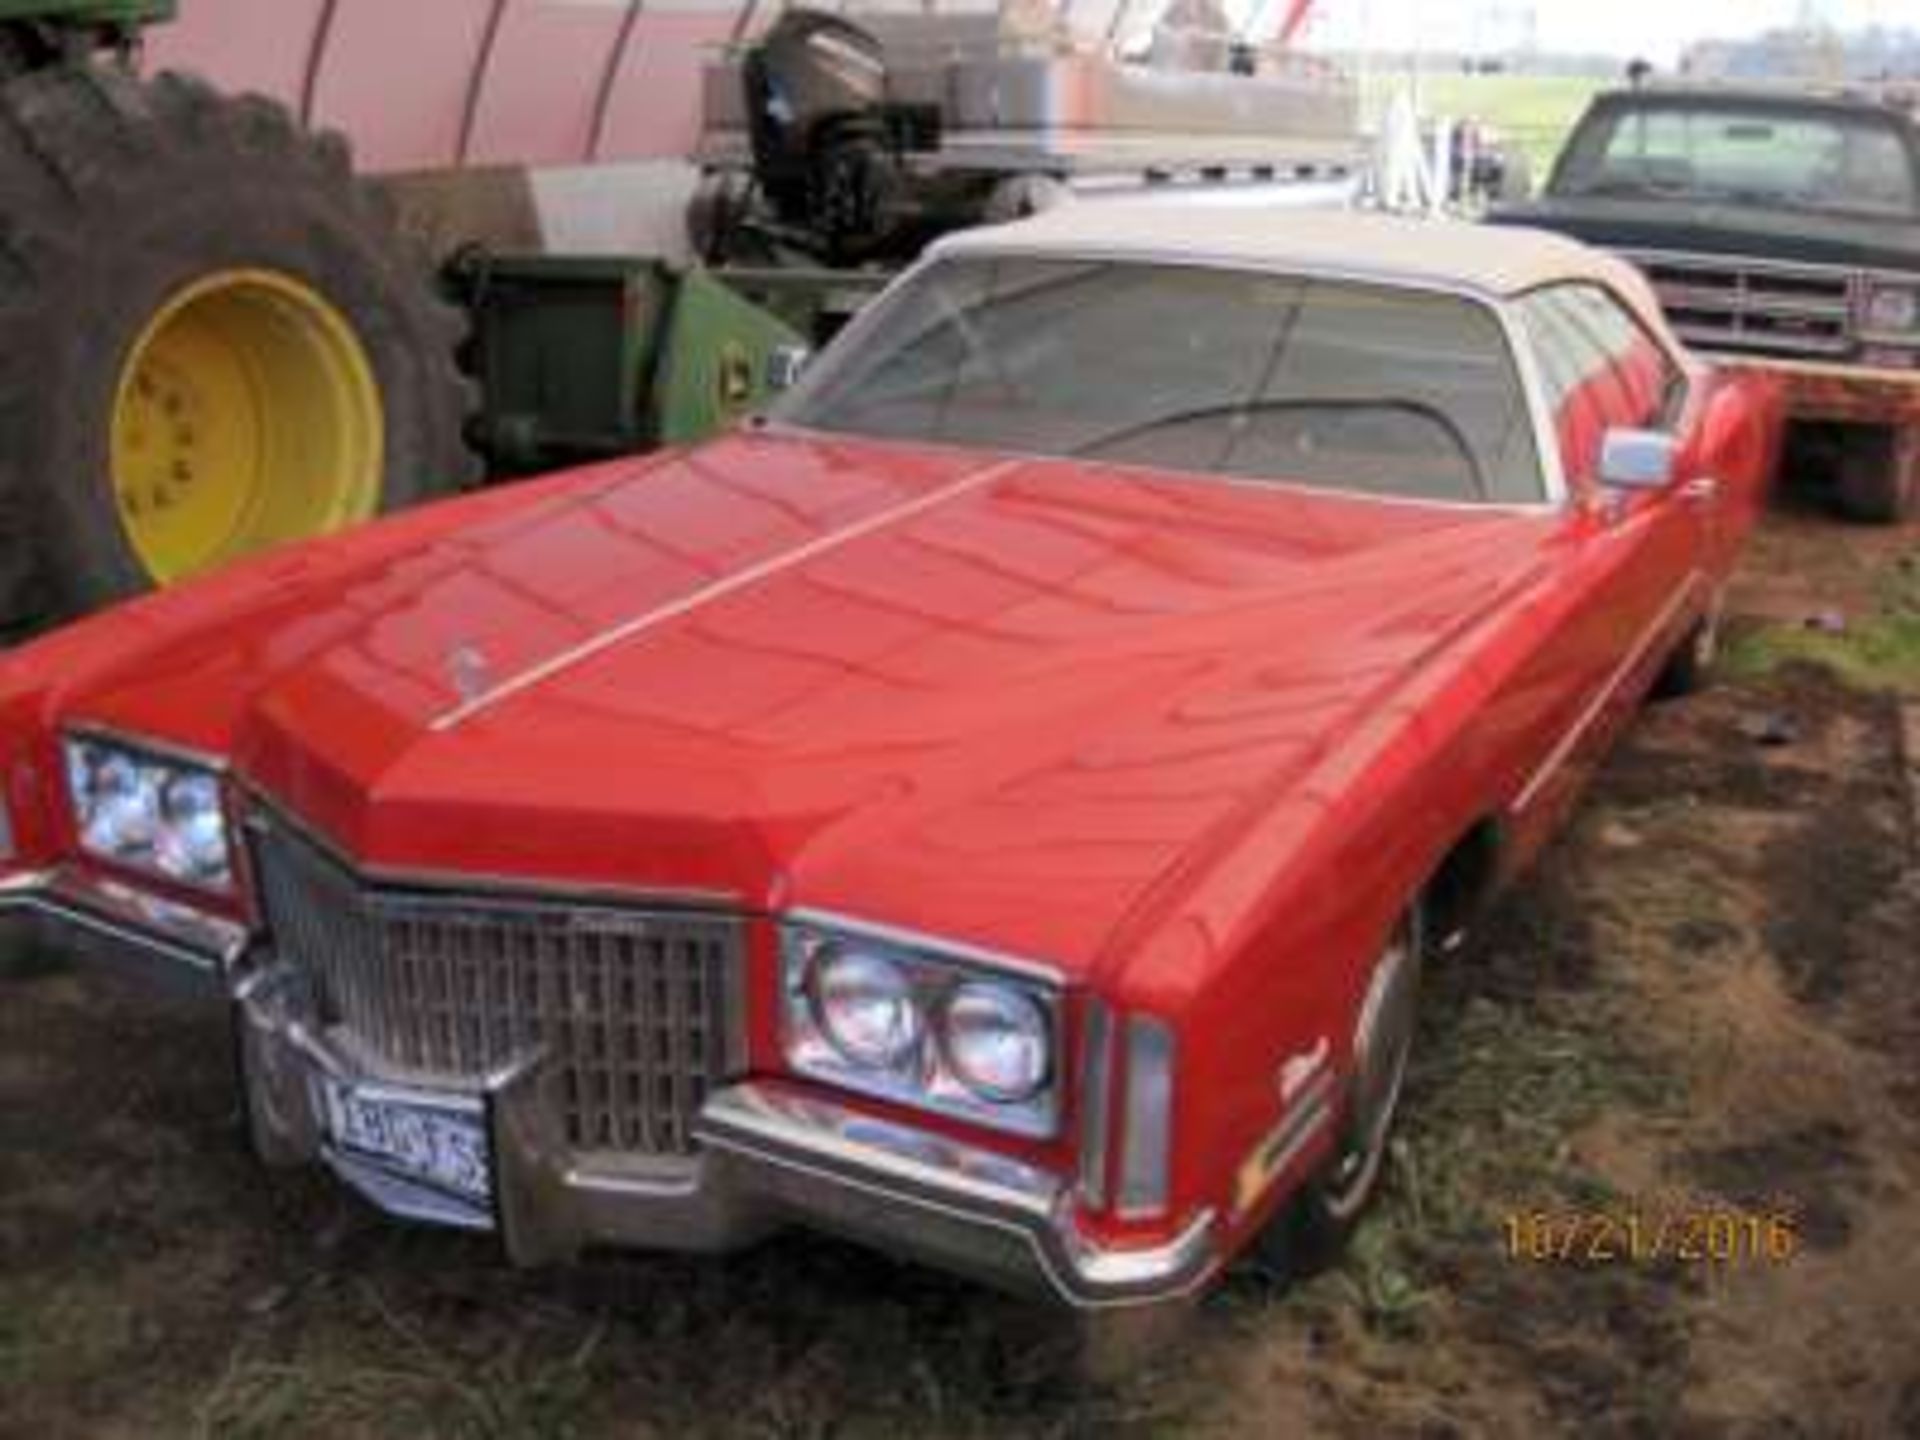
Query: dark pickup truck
x,y
1782,231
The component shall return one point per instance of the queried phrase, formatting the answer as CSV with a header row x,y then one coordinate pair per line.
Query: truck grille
x,y
631,1007
1755,306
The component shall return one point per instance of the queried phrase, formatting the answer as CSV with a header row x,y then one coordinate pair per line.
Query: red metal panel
x,y
241,45
548,63
396,79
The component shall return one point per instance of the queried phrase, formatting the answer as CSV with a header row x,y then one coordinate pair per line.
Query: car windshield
x,y
1753,155
1343,386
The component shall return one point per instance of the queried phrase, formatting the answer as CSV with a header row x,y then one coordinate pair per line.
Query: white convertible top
x,y
1492,260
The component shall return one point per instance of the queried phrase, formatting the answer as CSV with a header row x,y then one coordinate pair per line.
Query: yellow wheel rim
x,y
247,414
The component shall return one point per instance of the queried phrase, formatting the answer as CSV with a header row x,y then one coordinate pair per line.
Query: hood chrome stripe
x,y
719,589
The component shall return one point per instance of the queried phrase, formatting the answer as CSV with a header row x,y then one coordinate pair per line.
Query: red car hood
x,y
925,687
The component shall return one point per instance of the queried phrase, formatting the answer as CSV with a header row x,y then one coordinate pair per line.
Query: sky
x,y
1658,29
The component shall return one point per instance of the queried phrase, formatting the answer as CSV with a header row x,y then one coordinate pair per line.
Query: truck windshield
x,y
1335,385
1756,155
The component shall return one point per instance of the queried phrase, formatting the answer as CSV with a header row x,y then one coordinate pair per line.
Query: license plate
x,y
442,1146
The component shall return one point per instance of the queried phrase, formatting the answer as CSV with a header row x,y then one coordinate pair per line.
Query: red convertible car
x,y
997,807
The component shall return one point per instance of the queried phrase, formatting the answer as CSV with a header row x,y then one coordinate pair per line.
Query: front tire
x,y
1314,1228
213,339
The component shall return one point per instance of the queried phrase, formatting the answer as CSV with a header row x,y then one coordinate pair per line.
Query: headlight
x,y
149,812
1893,310
888,1017
866,1007
997,1041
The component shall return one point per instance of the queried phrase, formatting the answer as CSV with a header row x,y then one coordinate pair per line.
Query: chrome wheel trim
x,y
1383,1042
1706,639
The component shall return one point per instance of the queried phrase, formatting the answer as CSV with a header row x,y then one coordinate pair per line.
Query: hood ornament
x,y
469,671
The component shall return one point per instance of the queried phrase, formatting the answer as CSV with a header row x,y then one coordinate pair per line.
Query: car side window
x,y
1653,389
1573,368
1601,369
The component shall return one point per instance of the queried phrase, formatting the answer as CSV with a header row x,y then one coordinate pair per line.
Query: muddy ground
x,y
1707,1000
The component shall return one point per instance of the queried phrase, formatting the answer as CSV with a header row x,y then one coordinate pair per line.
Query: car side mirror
x,y
1639,460
784,364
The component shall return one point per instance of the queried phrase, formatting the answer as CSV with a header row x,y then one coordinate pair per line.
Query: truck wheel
x,y
1310,1233
1879,480
212,340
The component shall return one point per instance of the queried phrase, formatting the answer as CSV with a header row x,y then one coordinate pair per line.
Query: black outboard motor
x,y
827,143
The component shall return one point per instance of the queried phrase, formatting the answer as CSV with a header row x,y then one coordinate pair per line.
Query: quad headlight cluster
x,y
915,1026
149,812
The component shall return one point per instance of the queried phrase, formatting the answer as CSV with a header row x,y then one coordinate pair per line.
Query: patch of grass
x,y
386,1377
1879,651
61,1334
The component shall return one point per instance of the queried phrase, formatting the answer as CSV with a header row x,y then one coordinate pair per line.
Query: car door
x,y
1633,575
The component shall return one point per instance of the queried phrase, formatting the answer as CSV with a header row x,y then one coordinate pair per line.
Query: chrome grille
x,y
630,1007
1757,306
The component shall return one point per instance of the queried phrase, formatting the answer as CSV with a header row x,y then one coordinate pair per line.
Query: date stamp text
x,y
1705,1236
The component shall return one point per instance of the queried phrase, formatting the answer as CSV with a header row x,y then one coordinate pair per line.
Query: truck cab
x,y
1781,230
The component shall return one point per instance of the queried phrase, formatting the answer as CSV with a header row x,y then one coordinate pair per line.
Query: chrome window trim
x,y
1546,431
1181,477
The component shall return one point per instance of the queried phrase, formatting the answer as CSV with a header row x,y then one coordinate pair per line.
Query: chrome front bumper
x,y
114,927
769,1154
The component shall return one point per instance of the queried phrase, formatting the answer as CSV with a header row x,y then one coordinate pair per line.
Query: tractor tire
x,y
213,339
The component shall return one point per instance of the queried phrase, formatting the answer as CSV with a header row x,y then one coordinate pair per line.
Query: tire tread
x,y
82,150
